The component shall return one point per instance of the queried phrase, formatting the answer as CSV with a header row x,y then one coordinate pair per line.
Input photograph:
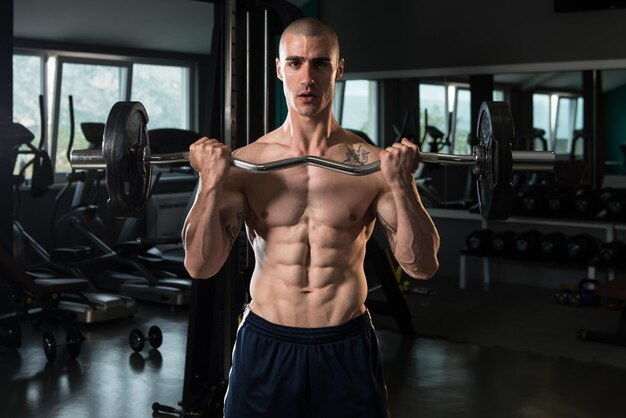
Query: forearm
x,y
206,236
414,238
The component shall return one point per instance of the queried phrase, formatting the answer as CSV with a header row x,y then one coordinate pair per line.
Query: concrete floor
x,y
425,377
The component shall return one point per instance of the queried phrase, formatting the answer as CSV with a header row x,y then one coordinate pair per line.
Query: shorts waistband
x,y
309,336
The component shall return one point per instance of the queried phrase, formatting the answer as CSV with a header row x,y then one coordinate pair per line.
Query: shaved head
x,y
311,27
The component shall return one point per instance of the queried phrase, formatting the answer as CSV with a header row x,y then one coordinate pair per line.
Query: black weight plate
x,y
136,339
155,336
74,341
123,147
494,184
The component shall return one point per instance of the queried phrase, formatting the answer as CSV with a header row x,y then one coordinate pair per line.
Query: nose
x,y
307,78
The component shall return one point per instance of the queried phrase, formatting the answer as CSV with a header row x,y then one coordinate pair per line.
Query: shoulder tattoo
x,y
357,157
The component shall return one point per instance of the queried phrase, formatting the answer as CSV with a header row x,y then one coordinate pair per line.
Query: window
x,y
27,86
542,117
448,108
95,88
499,95
163,90
462,122
433,107
559,115
96,85
564,126
358,109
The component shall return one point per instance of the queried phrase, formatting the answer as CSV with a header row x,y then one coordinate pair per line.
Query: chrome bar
x,y
522,161
88,159
533,160
355,170
173,157
448,159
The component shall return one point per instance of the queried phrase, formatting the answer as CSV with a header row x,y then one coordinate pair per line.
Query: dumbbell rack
x,y
610,229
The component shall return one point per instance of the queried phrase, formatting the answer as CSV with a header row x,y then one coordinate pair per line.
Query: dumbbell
x,y
479,242
586,203
567,296
614,203
73,343
552,246
612,253
527,244
581,247
533,201
503,243
558,202
137,339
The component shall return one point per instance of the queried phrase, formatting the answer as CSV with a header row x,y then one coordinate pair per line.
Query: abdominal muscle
x,y
308,275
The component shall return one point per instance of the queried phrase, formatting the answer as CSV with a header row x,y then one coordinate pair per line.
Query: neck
x,y
310,135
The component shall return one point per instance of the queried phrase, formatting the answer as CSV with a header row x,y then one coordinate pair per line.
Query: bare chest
x,y
310,194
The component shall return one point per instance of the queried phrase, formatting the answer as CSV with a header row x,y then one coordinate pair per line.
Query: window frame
x,y
554,109
125,82
43,87
374,102
51,87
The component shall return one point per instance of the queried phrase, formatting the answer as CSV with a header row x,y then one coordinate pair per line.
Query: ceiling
x,y
182,26
185,26
560,80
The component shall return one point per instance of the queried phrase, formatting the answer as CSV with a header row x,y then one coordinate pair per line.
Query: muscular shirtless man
x,y
306,346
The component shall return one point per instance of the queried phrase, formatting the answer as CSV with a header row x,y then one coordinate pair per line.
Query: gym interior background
x,y
525,317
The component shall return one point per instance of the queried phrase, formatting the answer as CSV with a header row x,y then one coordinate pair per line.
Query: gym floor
x,y
425,377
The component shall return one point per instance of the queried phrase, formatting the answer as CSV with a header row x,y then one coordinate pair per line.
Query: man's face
x,y
308,67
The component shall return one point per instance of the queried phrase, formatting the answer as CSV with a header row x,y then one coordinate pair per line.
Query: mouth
x,y
306,97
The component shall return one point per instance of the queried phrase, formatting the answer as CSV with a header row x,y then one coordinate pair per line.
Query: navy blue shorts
x,y
287,372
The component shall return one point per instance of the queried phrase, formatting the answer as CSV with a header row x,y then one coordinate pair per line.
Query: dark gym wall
x,y
614,104
6,117
405,35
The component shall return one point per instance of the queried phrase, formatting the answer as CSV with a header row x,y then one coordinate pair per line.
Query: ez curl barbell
x,y
126,157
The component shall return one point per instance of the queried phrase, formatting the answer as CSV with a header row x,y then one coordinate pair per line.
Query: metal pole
x,y
266,93
248,104
230,131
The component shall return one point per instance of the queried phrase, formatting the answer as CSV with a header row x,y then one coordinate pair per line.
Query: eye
x,y
294,64
322,64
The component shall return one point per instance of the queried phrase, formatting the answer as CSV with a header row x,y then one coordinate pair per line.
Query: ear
x,y
339,73
278,70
